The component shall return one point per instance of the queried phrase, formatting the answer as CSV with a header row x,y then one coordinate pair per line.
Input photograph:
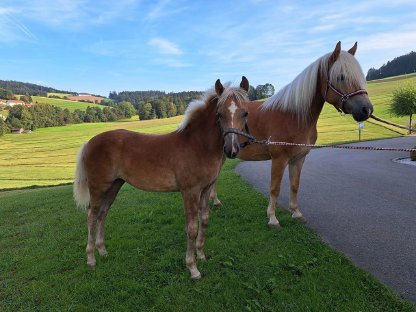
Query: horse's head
x,y
232,114
344,84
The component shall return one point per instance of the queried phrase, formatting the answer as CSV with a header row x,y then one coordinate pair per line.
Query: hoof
x,y
217,203
103,252
196,276
300,219
275,226
202,257
91,263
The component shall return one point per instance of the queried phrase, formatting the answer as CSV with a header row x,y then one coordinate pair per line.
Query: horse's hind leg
x,y
278,168
106,203
191,204
203,224
93,210
295,169
213,195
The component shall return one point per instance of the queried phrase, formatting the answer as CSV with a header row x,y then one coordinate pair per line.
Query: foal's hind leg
x,y
203,224
278,168
106,203
295,168
93,210
191,203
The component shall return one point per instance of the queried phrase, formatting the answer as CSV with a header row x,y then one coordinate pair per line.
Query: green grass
x,y
250,267
61,95
47,156
71,105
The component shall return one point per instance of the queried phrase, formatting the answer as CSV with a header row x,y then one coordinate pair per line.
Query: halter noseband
x,y
343,96
250,138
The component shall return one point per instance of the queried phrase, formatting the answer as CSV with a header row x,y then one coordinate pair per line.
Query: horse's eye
x,y
245,114
220,116
341,77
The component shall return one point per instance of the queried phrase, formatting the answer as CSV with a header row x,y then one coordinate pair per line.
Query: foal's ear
x,y
218,87
353,49
244,84
334,56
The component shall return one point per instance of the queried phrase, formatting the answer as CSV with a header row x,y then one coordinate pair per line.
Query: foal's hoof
x,y
196,276
91,263
217,203
300,219
275,226
102,252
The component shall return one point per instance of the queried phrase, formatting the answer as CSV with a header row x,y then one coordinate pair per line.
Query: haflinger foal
x,y
187,160
291,115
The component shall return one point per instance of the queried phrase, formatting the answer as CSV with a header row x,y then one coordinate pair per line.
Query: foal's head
x,y
232,114
345,83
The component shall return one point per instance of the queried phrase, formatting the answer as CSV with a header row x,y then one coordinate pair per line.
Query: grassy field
x,y
61,95
250,267
47,156
71,105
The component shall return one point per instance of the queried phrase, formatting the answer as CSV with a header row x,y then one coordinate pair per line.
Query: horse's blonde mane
x,y
209,95
297,96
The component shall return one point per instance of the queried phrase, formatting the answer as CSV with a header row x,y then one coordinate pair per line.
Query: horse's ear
x,y
244,84
218,87
353,49
334,56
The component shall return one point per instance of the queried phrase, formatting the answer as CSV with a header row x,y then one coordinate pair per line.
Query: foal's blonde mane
x,y
297,96
208,96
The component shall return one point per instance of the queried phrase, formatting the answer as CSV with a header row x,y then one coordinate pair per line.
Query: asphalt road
x,y
361,203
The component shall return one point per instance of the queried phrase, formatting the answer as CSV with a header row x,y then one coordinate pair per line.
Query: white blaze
x,y
232,108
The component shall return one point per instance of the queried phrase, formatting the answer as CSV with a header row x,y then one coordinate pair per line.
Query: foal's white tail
x,y
81,191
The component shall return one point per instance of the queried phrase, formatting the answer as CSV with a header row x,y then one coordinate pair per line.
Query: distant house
x,y
14,102
17,130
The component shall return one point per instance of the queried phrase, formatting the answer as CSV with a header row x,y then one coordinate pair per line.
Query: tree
x,y
264,91
171,110
26,98
252,93
404,102
6,94
3,127
127,108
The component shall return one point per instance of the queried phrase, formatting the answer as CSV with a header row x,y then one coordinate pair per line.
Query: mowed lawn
x,y
249,268
47,156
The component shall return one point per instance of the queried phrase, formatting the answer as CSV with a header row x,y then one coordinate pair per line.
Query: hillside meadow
x,y
62,103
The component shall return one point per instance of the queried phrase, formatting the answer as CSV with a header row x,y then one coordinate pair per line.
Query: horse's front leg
x,y
278,168
203,223
191,200
295,169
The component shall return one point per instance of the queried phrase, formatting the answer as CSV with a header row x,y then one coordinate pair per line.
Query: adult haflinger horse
x,y
187,161
291,115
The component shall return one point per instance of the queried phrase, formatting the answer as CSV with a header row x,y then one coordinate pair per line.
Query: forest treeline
x,y
26,88
401,65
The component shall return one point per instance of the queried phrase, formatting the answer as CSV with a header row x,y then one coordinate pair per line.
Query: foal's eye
x,y
341,77
245,114
220,116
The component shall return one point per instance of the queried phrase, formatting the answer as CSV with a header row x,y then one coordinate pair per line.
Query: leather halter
x,y
247,134
343,96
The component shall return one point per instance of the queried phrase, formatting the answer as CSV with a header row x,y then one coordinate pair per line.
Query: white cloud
x,y
165,46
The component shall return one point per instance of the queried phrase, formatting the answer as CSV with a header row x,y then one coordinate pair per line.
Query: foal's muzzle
x,y
231,145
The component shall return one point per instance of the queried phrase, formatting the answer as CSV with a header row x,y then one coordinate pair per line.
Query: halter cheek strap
x,y
343,96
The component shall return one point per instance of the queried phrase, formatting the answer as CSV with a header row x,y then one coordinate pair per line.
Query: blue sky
x,y
101,46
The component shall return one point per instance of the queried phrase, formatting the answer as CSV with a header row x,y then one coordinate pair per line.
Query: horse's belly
x,y
153,181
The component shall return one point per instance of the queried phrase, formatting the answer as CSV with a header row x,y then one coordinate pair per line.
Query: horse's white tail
x,y
81,191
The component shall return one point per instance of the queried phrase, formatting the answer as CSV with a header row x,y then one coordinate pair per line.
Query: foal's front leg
x,y
213,195
191,200
203,223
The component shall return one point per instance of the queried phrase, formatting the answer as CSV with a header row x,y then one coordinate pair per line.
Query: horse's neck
x,y
316,107
204,133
